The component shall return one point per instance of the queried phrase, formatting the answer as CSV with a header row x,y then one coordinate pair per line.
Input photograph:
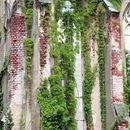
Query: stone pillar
x,y
95,96
80,117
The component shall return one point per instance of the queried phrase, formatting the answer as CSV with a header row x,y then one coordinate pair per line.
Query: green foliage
x,y
28,43
68,63
29,16
63,53
89,80
53,106
116,3
93,24
101,61
29,3
89,32
28,12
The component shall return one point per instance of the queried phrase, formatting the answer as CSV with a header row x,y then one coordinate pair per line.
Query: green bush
x,y
53,106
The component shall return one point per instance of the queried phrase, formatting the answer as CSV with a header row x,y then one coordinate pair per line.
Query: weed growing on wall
x,y
28,43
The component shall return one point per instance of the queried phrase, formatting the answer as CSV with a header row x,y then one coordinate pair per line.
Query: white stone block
x,y
79,110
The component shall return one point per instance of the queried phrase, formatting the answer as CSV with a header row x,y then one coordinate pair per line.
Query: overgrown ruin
x,y
64,64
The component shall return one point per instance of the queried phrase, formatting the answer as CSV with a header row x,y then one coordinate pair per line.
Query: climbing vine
x,y
89,32
28,12
51,95
63,52
28,43
62,81
101,60
89,80
94,30
127,84
89,76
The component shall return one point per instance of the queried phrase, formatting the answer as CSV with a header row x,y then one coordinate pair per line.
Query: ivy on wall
x,y
89,80
127,84
94,23
63,53
101,61
89,32
62,81
28,12
28,43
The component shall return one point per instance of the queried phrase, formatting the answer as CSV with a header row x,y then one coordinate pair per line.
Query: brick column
x,y
16,68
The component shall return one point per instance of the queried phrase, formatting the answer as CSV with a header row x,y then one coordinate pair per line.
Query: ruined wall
x,y
116,48
16,68
12,29
17,99
114,69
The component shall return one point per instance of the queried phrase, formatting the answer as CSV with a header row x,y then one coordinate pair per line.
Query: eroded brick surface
x,y
17,32
43,41
43,46
117,75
